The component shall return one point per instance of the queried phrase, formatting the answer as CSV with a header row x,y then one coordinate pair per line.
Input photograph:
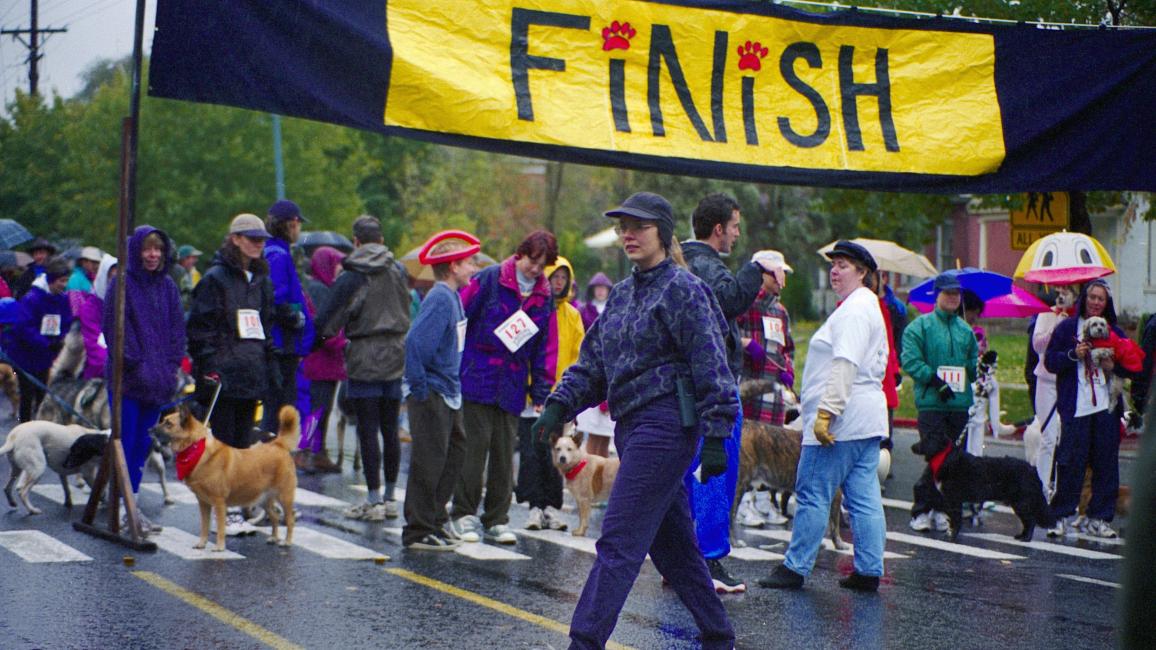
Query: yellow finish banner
x,y
696,83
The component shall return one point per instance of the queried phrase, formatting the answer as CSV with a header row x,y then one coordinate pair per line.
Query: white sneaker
x,y
553,519
467,529
775,518
1100,528
501,534
1005,430
1081,523
391,510
1063,528
941,521
236,526
749,517
366,512
921,522
535,520
762,502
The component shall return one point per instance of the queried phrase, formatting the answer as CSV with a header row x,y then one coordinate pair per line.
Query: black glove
x,y
989,357
714,458
546,423
941,387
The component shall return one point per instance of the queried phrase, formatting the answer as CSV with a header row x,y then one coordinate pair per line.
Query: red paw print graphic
x,y
751,56
617,36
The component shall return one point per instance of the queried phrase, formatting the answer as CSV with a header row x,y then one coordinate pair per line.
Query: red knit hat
x,y
473,246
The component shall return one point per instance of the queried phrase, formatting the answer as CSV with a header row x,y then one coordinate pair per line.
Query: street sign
x,y
1041,214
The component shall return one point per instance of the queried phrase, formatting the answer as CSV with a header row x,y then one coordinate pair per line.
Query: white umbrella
x,y
893,257
602,239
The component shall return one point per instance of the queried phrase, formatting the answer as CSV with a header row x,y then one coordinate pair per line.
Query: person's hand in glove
x,y
822,428
546,423
714,458
941,387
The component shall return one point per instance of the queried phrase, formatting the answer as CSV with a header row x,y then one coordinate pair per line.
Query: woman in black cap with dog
x,y
658,356
844,416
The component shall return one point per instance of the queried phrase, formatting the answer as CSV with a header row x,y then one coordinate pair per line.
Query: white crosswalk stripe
x,y
1091,581
35,546
327,546
1046,546
180,543
785,536
476,551
951,547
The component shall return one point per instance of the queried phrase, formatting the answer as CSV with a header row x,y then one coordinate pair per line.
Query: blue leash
x,y
32,379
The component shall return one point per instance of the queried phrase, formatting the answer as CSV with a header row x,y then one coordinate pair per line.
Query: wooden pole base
x,y
114,467
136,545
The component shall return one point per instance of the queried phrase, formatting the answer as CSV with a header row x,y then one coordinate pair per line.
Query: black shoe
x,y
433,542
724,582
859,582
782,578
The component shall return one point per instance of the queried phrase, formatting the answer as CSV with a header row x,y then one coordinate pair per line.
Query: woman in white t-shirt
x,y
844,415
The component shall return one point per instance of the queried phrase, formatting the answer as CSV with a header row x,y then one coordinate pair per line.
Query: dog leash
x,y
32,379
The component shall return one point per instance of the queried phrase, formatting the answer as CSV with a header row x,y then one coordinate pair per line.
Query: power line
x,y
35,40
954,16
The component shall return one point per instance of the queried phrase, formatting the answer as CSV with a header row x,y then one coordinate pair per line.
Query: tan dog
x,y
224,476
769,457
11,387
589,478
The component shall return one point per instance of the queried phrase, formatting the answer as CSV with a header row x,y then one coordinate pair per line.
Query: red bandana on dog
x,y
575,471
188,458
937,461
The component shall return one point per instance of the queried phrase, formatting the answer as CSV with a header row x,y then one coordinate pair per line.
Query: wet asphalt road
x,y
1053,595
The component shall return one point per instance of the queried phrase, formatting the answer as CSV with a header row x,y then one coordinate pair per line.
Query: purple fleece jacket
x,y
154,324
491,374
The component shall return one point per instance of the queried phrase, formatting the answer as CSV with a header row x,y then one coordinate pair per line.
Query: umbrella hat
x,y
1065,258
12,233
419,271
986,284
892,257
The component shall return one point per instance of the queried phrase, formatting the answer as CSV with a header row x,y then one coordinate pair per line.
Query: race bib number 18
x,y
516,330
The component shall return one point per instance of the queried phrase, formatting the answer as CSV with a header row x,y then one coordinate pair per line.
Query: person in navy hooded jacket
x,y
292,326
38,335
154,344
1089,429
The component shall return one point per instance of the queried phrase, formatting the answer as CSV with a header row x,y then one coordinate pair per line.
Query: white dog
x,y
36,446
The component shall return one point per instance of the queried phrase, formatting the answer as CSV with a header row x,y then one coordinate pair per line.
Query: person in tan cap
x,y
85,271
229,336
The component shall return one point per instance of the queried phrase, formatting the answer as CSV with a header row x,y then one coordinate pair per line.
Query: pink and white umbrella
x,y
1020,303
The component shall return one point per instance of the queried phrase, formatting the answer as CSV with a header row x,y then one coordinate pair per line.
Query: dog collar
x,y
574,471
936,461
188,458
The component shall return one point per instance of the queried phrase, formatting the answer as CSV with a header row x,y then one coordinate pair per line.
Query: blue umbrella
x,y
12,234
985,284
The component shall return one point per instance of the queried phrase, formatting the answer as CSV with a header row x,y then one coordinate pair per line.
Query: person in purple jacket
x,y
37,337
508,307
154,343
597,291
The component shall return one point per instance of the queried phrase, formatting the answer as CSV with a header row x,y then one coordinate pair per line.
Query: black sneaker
x,y
724,582
858,582
432,542
782,578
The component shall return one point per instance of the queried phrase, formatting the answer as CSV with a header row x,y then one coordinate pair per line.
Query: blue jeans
x,y
136,420
852,466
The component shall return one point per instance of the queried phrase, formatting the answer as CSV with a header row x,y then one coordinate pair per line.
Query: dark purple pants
x,y
649,511
1089,440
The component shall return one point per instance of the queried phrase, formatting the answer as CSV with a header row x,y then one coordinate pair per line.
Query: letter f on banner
x,y
521,62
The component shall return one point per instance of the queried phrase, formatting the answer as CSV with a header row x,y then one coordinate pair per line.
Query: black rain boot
x,y
782,578
859,582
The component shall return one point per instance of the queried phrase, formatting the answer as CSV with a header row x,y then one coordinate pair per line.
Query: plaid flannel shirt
x,y
763,360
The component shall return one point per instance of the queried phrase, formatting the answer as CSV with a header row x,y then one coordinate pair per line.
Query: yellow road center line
x,y
496,605
216,611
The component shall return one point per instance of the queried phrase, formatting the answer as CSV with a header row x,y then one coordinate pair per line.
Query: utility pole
x,y
33,44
